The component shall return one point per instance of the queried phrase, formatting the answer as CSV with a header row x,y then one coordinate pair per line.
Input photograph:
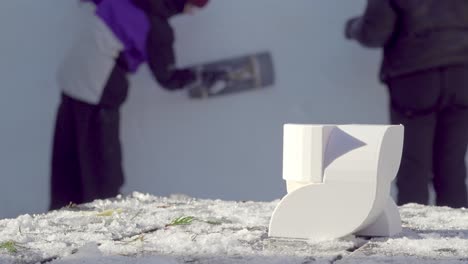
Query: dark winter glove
x,y
210,77
209,82
351,27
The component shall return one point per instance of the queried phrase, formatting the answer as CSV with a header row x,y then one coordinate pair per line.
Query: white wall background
x,y
226,148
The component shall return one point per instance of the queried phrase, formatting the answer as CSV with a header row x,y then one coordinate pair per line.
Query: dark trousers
x,y
86,158
433,107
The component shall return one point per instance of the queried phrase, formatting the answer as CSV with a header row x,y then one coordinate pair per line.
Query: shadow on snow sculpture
x,y
338,179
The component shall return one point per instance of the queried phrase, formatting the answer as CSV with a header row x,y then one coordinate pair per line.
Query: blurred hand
x,y
208,77
208,82
214,80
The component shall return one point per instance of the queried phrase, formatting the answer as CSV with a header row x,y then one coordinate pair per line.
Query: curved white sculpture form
x,y
338,179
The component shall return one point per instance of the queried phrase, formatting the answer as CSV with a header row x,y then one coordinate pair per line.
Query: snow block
x,y
338,179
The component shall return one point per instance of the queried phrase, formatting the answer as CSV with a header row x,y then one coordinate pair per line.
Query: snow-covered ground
x,y
143,229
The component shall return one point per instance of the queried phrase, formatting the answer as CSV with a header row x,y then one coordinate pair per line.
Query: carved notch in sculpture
x,y
338,179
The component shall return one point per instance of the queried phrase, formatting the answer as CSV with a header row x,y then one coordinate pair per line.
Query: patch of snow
x,y
140,229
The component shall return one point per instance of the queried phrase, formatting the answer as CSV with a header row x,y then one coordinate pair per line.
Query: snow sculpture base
x,y
338,179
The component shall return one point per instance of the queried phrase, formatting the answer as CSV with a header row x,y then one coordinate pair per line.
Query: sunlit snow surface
x,y
136,229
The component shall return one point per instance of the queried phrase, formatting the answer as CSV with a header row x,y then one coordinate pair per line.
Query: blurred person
x,y
118,36
425,67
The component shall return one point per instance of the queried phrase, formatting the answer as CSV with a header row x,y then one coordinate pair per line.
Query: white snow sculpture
x,y
338,179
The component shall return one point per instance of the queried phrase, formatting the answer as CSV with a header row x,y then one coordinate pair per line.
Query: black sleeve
x,y
161,59
376,27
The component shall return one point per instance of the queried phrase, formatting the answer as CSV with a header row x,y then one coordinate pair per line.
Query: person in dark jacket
x,y
425,66
118,36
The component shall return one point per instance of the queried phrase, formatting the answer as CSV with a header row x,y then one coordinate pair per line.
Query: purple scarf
x,y
131,26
